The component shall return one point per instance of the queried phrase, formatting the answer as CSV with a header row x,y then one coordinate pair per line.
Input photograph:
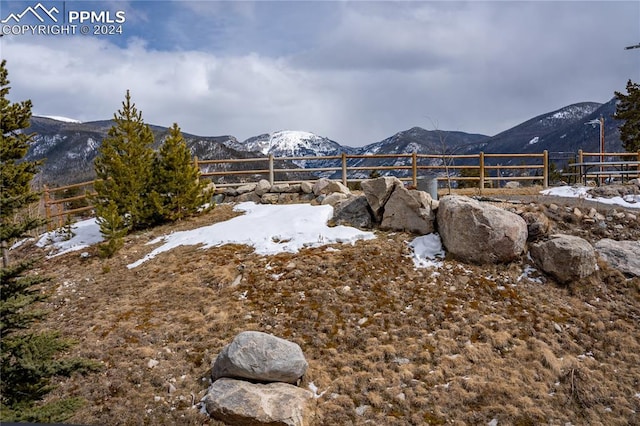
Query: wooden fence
x,y
412,169
58,206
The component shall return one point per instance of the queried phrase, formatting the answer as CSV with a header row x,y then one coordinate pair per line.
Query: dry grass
x,y
387,344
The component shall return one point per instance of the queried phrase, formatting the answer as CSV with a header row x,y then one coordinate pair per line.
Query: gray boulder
x,y
353,211
262,187
237,402
377,191
270,198
333,198
306,187
408,211
565,257
280,187
538,225
327,186
621,255
248,196
480,233
246,188
260,356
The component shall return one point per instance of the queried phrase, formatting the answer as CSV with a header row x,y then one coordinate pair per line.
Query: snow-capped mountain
x,y
533,135
290,143
70,147
294,143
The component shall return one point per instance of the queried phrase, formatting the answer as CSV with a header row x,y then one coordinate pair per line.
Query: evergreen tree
x,y
27,359
124,168
628,109
112,228
177,178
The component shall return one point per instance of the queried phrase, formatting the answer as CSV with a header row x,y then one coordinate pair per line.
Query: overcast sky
x,y
353,71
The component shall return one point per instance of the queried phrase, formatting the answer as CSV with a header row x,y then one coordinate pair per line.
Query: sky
x,y
273,229
353,71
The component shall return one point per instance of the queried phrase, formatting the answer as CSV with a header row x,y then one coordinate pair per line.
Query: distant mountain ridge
x,y
70,147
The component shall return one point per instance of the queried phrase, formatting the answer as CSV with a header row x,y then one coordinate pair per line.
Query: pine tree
x,y
124,168
628,109
27,359
177,178
112,228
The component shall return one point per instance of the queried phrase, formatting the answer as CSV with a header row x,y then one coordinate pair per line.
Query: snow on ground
x,y
272,229
84,234
269,229
630,201
427,251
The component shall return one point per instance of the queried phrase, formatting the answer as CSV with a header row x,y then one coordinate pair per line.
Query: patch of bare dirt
x,y
387,344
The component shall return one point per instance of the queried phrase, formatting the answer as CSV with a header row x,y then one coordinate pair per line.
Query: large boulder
x,y
377,191
408,211
236,402
326,186
480,233
621,255
353,211
566,257
260,356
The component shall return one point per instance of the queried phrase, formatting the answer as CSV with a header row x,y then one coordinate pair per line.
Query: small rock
x,y
152,363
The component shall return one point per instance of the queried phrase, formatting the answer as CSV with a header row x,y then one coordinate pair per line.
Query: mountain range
x,y
70,147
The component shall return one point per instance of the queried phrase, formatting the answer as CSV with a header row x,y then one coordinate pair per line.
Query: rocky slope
x,y
386,343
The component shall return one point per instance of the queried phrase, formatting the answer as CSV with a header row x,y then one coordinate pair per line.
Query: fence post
x,y
47,207
344,169
195,162
271,173
545,169
481,161
414,168
582,177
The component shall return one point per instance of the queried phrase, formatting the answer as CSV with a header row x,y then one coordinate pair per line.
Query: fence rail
x,y
59,201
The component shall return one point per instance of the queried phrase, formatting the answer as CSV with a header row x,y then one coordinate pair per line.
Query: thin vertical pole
x,y
414,169
271,173
545,169
580,160
481,160
47,207
344,169
601,147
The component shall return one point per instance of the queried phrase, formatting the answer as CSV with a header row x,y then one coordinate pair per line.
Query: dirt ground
x,y
387,343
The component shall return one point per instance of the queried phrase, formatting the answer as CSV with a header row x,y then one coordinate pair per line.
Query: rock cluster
x,y
323,191
471,231
254,380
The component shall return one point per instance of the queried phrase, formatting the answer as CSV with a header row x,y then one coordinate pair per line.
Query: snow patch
x,y
534,140
84,234
631,201
427,251
269,229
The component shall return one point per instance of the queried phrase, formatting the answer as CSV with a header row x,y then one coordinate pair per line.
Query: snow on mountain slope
x,y
290,143
569,113
61,118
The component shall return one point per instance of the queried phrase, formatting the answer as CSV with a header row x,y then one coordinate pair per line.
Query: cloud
x,y
356,72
